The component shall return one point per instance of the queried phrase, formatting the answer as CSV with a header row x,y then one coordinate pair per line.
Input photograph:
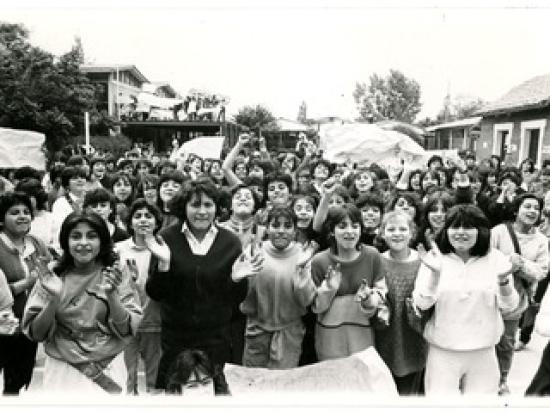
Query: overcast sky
x,y
281,53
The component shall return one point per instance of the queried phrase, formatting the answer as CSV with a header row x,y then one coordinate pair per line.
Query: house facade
x,y
461,134
120,84
515,127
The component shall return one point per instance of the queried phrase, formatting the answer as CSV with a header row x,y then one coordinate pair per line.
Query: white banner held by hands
x,y
205,147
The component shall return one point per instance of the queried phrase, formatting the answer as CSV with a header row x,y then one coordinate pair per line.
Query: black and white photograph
x,y
274,204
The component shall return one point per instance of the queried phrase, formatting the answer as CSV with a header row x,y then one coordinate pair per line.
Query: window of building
x,y
532,133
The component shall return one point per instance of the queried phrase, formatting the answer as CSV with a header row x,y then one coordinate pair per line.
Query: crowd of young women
x,y
272,260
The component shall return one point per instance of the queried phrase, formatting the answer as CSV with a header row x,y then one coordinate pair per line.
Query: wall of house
x,y
485,143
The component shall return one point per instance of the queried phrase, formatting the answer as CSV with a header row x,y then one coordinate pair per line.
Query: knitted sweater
x,y
196,294
11,263
338,307
402,349
276,296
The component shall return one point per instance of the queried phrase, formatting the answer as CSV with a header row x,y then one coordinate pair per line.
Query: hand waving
x,y
247,265
432,258
333,276
158,247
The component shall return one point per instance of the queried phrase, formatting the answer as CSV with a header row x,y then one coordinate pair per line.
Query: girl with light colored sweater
x,y
469,284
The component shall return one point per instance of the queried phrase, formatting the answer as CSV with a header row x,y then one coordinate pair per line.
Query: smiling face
x,y
278,192
122,189
143,222
242,203
335,201
462,239
346,234
429,181
397,233
436,216
99,170
256,172
403,205
240,171
17,221
528,212
281,232
77,184
168,189
371,215
84,244
364,182
320,172
304,212
200,212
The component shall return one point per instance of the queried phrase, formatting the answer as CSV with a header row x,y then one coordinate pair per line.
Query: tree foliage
x,y
256,118
459,107
43,93
394,97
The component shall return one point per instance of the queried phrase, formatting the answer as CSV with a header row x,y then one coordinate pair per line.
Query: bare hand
x,y
244,138
306,254
333,276
158,247
328,186
432,258
365,295
247,266
112,278
517,262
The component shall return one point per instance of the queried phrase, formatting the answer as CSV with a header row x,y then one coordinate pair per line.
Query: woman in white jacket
x,y
468,284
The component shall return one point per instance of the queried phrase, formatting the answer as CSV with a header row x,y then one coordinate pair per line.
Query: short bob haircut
x,y
339,214
412,199
320,162
372,200
280,211
255,197
518,200
277,177
70,172
122,176
141,203
10,199
95,196
467,216
190,189
106,255
432,174
435,158
33,188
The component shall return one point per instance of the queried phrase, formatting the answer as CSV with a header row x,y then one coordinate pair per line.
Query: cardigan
x,y
196,295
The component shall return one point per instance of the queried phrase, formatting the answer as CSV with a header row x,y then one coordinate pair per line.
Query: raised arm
x,y
227,166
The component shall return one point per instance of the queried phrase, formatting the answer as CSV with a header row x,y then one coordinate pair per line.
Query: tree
x,y
394,97
256,118
459,107
43,93
302,113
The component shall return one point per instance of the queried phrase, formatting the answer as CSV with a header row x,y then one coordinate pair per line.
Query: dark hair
x,y
106,255
431,173
190,189
70,172
277,177
176,176
26,172
413,200
439,197
10,199
511,175
518,200
352,188
77,160
33,188
95,196
310,199
531,165
240,163
435,158
371,199
97,159
252,192
141,203
280,211
124,177
315,164
468,216
341,191
123,163
149,180
145,162
412,174
337,215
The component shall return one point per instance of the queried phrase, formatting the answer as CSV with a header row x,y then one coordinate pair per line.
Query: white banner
x,y
21,148
205,147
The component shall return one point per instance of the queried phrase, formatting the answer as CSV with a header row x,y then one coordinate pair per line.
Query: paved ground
x,y
523,368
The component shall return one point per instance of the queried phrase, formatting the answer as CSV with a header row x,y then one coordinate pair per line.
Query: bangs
x,y
466,216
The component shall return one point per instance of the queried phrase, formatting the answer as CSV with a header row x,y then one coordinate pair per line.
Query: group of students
x,y
275,261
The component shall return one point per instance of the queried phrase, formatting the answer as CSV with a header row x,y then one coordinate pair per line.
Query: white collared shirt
x,y
200,247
